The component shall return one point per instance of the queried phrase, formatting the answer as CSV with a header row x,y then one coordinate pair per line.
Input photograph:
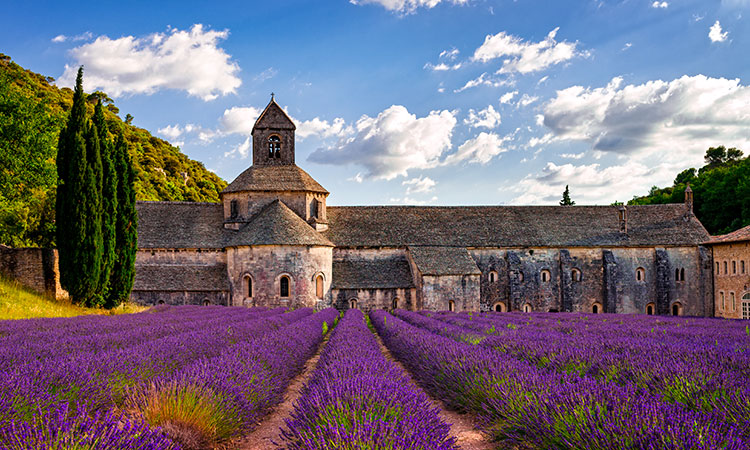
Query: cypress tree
x,y
126,225
108,198
89,262
566,201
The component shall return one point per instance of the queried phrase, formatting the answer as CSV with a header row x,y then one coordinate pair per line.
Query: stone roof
x,y
276,224
180,225
385,273
274,116
743,234
180,278
512,226
444,261
274,178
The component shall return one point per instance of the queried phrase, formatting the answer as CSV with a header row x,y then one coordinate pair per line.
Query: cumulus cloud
x,y
508,97
419,185
188,60
688,115
442,67
323,128
239,120
243,149
662,5
716,34
450,55
526,57
479,150
487,118
526,100
406,6
392,143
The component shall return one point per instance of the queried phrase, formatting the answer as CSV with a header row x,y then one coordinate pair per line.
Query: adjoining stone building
x,y
731,256
273,241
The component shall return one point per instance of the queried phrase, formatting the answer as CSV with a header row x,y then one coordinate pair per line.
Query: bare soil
x,y
462,425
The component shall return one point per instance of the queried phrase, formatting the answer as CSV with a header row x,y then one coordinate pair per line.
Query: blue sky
x,y
444,102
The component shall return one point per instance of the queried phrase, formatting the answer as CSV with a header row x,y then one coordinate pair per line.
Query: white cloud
x,y
627,46
239,120
698,17
323,128
716,34
171,131
485,80
526,57
59,38
393,142
358,178
79,37
450,55
441,67
419,185
188,60
480,149
266,75
243,149
526,100
573,155
411,201
487,118
508,97
406,6
662,5
686,115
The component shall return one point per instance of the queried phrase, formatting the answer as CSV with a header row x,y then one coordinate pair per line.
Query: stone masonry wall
x,y
34,268
174,256
733,280
149,298
463,290
372,299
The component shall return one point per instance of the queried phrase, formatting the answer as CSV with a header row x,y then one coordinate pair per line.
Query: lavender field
x,y
206,377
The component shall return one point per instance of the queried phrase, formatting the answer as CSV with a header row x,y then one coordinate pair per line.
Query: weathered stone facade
x,y
34,268
731,272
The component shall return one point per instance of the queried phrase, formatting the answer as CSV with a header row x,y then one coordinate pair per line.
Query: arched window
x,y
527,308
499,307
284,286
682,274
725,268
742,267
233,209
650,309
596,308
206,302
319,286
640,274
734,302
723,301
746,306
451,306
248,286
274,147
546,276
394,303
161,302
493,276
734,267
717,268
575,275
353,303
676,309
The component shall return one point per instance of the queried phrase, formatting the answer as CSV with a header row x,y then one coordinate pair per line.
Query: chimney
x,y
622,212
689,198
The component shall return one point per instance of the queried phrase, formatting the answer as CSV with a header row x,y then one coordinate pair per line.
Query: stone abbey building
x,y
273,241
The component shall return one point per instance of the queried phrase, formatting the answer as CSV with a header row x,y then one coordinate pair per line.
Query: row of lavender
x,y
699,364
356,398
528,405
124,383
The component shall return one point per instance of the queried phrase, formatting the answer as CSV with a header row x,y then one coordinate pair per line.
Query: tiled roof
x,y
512,226
743,234
180,225
444,261
274,116
274,178
386,273
276,224
180,278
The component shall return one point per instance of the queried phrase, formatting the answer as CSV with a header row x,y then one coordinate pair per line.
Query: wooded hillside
x,y
32,112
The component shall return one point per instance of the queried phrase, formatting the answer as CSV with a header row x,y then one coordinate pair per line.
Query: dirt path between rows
x,y
462,426
268,432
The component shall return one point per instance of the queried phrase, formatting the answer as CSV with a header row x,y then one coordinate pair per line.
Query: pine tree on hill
x,y
126,225
108,198
566,201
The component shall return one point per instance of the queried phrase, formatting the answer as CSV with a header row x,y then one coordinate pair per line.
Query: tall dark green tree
x,y
566,201
108,198
126,226
78,203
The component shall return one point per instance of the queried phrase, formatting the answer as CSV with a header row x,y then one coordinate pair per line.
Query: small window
x,y
319,286
682,274
640,274
575,275
725,268
677,309
233,208
734,304
596,308
527,308
353,303
734,267
493,276
499,307
451,306
723,301
206,302
274,147
742,267
314,207
546,276
248,286
717,268
394,303
284,286
650,309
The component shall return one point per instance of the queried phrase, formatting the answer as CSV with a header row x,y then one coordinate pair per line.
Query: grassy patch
x,y
17,302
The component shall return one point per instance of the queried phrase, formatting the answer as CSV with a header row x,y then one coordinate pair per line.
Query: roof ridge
x,y
175,202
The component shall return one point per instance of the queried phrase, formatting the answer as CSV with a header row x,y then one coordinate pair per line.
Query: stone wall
x,y
250,203
733,280
266,264
174,256
371,299
149,298
34,268
439,291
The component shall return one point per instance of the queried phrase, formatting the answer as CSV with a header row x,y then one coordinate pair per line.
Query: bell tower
x,y
273,137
